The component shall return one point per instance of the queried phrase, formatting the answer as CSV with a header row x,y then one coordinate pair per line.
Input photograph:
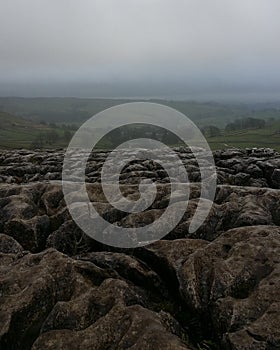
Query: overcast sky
x,y
172,48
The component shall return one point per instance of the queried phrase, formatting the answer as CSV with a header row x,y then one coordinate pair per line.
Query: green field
x,y
23,121
17,132
265,137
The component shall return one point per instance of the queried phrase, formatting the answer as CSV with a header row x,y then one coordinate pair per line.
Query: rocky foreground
x,y
217,288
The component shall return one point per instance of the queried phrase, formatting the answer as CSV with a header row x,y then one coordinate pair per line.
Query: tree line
x,y
238,124
50,138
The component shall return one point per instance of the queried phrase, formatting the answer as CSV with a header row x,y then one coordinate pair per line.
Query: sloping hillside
x,y
17,132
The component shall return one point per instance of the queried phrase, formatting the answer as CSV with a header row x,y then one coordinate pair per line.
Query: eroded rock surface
x,y
216,288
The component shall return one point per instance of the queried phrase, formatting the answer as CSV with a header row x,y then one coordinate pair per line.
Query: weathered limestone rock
x,y
216,288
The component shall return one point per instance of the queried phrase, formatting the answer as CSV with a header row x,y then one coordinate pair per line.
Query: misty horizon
x,y
135,93
221,51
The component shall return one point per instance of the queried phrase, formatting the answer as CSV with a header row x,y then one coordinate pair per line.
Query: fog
x,y
194,49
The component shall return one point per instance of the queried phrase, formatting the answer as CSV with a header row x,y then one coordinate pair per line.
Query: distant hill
x,y
51,122
77,110
8,120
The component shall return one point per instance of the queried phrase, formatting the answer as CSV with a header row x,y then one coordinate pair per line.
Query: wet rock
x,y
131,327
275,178
76,305
128,267
31,234
237,167
8,245
216,288
234,283
30,287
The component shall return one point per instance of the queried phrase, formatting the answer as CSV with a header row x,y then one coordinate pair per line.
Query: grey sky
x,y
139,47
